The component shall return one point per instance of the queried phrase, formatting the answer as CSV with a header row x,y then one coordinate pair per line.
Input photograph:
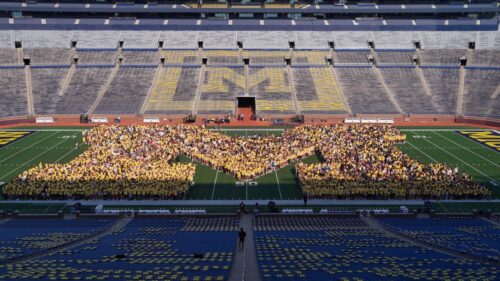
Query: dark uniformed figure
x,y
242,235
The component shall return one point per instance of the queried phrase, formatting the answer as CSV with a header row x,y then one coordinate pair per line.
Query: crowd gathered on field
x,y
142,162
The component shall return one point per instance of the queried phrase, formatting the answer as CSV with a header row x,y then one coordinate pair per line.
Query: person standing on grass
x,y
242,235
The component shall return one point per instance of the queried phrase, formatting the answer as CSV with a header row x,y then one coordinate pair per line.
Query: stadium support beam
x,y
158,73
461,87
104,89
29,90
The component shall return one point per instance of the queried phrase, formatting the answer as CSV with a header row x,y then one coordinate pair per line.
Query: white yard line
x,y
459,159
215,182
62,157
29,161
278,182
428,156
467,149
5,159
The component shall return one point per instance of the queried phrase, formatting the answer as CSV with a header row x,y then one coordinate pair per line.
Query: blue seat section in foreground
x,y
20,237
469,235
348,249
146,249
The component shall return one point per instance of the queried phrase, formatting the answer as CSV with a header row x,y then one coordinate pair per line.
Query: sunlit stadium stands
x,y
140,57
351,40
13,92
408,90
310,40
444,84
225,40
96,57
33,39
223,57
316,90
363,91
140,40
6,40
219,88
481,92
272,90
156,249
178,57
266,57
47,83
96,40
174,91
470,235
48,56
393,40
272,40
325,248
127,91
310,57
175,40
82,89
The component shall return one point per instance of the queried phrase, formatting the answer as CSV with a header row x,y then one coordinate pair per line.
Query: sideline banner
x,y
489,139
9,137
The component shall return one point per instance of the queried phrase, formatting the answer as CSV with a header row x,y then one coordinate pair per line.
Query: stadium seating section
x,y
120,72
322,248
152,249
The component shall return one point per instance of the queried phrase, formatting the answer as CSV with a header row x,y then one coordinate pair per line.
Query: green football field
x,y
429,145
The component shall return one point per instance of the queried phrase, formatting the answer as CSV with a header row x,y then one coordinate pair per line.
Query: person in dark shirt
x,y
242,235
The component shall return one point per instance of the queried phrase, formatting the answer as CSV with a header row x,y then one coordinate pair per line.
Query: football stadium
x,y
216,140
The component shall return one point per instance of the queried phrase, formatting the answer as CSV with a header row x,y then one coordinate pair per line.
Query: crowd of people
x,y
363,162
140,162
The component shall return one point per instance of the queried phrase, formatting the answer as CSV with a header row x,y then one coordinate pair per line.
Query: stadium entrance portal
x,y
246,107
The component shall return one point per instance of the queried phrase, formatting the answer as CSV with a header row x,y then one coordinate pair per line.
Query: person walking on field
x,y
242,235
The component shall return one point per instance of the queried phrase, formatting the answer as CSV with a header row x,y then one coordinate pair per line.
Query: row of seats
x,y
296,249
62,56
317,90
145,249
304,40
473,236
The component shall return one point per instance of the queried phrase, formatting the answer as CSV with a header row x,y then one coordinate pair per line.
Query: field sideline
x,y
429,145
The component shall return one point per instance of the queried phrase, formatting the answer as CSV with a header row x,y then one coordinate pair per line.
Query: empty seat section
x,y
137,57
179,40
223,57
351,57
272,90
312,40
225,40
47,83
83,89
174,91
482,93
176,57
8,57
127,91
395,58
316,90
219,89
96,57
408,90
363,91
140,39
272,40
443,83
441,57
266,57
48,56
485,58
310,57
13,92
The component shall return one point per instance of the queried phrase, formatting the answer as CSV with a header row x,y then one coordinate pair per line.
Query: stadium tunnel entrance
x,y
245,106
